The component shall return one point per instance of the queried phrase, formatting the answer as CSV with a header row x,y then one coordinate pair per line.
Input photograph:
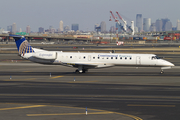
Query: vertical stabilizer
x,y
22,45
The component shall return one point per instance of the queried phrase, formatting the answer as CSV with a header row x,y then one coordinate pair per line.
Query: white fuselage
x,y
96,60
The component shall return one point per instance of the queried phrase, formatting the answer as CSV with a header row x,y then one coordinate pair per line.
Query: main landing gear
x,y
81,71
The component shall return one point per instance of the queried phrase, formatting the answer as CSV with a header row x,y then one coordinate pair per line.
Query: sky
x,y
86,13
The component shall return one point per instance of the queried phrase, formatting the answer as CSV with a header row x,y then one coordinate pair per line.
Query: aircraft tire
x,y
77,71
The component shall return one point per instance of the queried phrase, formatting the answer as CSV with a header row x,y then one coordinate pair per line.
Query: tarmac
x,y
48,92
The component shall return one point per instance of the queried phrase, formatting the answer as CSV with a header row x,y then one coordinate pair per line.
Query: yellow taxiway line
x,y
151,105
23,107
56,77
90,113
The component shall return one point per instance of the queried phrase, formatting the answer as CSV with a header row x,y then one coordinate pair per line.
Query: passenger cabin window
x,y
125,57
70,56
93,57
98,57
116,57
107,58
84,57
130,58
120,57
111,57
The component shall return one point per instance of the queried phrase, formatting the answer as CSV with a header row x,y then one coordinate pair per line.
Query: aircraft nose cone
x,y
171,64
167,63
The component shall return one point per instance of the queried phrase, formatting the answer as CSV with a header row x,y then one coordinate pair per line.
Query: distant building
x,y
103,26
28,29
146,24
112,29
168,26
20,30
66,28
139,22
118,27
61,26
159,25
164,21
75,27
41,29
97,28
174,28
152,27
51,29
9,28
14,29
178,25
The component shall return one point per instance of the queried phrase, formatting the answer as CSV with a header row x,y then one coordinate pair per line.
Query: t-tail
x,y
22,45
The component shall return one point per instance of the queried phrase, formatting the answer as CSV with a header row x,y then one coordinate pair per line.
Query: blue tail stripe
x,y
22,44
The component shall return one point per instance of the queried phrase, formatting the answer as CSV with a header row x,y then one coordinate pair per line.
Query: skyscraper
x,y
139,22
159,25
20,30
14,29
168,26
41,30
146,24
178,25
103,26
164,21
75,27
9,28
61,26
28,29
97,27
152,27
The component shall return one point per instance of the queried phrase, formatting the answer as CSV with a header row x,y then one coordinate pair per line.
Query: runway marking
x,y
131,116
27,71
20,79
151,105
100,112
46,105
90,113
81,81
56,77
23,107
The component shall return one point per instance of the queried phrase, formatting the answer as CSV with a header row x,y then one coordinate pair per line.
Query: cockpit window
x,y
157,57
154,57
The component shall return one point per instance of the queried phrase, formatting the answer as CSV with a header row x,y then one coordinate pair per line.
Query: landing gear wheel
x,y
84,71
161,72
77,71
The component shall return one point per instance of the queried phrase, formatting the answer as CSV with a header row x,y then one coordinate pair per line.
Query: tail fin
x,y
22,44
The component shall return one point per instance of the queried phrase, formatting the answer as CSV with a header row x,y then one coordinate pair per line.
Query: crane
x,y
131,28
125,23
117,21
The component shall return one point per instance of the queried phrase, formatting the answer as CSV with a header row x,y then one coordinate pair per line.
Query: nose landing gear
x,y
161,72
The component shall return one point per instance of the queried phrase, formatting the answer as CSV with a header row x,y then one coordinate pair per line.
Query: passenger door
x,y
138,60
89,57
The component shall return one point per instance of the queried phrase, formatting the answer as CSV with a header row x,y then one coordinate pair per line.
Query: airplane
x,y
85,61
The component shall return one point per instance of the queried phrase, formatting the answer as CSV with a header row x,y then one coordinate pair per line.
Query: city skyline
x,y
43,13
144,24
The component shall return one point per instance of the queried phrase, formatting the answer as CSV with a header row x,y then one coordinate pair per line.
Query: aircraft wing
x,y
89,65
